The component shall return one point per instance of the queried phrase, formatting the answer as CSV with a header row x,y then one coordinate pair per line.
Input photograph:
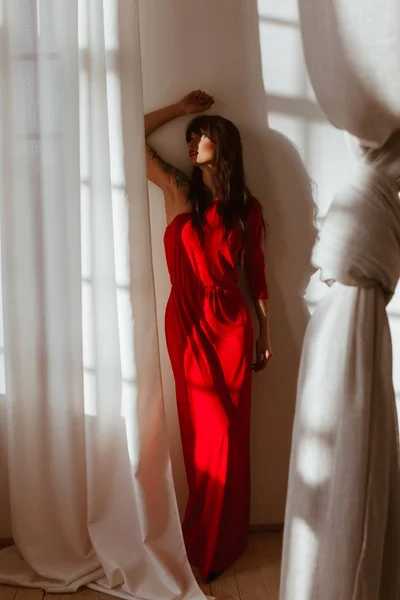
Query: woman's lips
x,y
192,153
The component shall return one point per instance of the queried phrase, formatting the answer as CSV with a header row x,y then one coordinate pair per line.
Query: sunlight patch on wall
x,y
394,319
283,69
285,10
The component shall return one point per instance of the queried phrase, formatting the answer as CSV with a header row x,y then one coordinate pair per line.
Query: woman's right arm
x,y
163,174
159,171
157,118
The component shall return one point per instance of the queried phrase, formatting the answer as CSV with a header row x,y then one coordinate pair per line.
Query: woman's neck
x,y
210,179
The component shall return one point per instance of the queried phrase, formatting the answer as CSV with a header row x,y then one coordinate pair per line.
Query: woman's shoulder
x,y
254,207
254,202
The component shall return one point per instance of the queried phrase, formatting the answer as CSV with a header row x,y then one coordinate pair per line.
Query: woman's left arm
x,y
263,343
254,264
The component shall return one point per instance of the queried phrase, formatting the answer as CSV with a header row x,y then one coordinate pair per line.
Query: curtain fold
x,y
90,485
342,521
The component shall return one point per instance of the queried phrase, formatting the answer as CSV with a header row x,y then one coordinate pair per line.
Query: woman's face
x,y
201,150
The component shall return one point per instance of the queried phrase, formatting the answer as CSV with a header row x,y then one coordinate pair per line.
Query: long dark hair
x,y
234,195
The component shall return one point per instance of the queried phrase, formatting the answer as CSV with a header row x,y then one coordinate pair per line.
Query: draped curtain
x,y
342,523
84,455
352,52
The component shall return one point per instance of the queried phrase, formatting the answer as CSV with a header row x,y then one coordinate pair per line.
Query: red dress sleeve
x,y
254,262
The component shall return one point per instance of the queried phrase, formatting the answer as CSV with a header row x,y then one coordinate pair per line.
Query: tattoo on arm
x,y
179,178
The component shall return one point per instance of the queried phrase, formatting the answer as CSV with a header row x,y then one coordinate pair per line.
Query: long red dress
x,y
210,343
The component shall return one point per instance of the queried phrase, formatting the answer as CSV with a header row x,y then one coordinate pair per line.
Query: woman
x,y
213,226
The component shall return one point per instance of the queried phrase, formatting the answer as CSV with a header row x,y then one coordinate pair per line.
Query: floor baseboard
x,y
260,528
266,528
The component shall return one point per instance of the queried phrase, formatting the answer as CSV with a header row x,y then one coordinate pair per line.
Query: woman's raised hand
x,y
196,102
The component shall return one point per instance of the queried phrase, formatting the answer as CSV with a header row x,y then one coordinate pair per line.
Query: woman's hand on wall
x,y
196,102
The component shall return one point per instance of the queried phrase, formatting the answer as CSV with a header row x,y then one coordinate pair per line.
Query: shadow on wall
x,y
289,209
175,59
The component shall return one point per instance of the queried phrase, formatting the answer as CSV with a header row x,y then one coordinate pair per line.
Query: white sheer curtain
x,y
89,478
342,522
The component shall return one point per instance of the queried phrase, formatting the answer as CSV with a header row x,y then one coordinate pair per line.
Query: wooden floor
x,y
256,574
254,577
